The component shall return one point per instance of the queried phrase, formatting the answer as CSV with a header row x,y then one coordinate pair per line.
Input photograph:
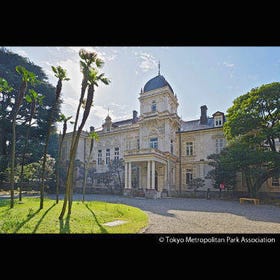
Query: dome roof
x,y
155,83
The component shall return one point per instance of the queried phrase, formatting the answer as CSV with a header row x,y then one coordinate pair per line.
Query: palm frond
x,y
4,86
99,62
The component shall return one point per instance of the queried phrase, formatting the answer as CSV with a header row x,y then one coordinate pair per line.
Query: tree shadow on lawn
x,y
30,216
103,230
64,227
41,219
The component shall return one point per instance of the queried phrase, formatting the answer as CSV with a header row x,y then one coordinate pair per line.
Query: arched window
x,y
189,176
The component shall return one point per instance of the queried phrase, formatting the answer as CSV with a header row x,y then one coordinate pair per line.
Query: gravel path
x,y
180,215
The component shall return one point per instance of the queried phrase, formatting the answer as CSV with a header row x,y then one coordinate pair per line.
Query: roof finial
x,y
108,111
159,67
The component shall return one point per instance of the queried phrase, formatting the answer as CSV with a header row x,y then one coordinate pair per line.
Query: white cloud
x,y
147,61
100,111
20,51
104,55
229,65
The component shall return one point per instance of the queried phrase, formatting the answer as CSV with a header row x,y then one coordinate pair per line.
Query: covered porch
x,y
146,170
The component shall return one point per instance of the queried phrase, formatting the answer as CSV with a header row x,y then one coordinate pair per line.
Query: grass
x,y
88,217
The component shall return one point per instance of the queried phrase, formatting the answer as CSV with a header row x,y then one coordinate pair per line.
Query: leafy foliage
x,y
252,130
224,169
196,183
8,64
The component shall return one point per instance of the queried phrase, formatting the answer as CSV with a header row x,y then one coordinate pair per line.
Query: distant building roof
x,y
125,122
120,123
195,125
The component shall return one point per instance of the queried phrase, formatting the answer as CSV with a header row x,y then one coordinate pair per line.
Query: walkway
x,y
180,215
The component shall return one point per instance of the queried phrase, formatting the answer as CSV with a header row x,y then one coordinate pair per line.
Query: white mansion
x,y
161,152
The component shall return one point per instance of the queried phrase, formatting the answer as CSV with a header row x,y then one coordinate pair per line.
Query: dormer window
x,y
218,119
154,106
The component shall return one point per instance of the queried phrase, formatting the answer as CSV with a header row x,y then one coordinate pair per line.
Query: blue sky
x,y
212,76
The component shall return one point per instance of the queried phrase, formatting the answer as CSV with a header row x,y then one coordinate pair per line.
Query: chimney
x,y
203,116
134,116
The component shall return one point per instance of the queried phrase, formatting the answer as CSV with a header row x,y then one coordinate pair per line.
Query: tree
x,y
5,98
64,119
93,136
90,64
27,77
116,169
252,129
34,99
37,134
224,169
256,117
105,178
196,183
60,73
32,171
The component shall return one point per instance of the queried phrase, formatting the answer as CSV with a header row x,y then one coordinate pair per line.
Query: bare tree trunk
x,y
42,187
69,182
23,159
57,169
18,102
84,182
70,170
67,186
88,105
12,174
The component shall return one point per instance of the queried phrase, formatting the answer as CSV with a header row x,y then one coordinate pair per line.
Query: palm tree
x,y
26,77
60,73
64,119
91,78
93,136
33,98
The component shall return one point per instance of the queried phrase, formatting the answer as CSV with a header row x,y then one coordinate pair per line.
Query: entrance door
x,y
156,180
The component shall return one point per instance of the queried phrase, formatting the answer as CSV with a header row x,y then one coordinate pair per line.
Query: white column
x,y
168,175
125,175
129,175
165,176
140,177
153,174
148,174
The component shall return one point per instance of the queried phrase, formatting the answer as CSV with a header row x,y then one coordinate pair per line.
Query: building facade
x,y
161,153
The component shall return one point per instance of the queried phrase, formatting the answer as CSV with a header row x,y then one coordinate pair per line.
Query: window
x,y
154,106
138,144
108,128
154,143
189,149
188,176
99,157
117,153
275,181
107,156
218,121
219,145
171,146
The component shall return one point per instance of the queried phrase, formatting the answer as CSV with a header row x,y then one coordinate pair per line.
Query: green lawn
x,y
88,217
